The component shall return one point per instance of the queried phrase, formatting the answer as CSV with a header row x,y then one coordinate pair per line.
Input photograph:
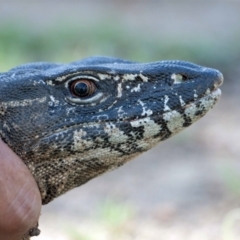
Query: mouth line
x,y
215,94
215,91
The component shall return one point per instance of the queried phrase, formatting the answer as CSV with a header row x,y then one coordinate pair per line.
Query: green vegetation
x,y
64,43
231,177
113,221
230,225
115,214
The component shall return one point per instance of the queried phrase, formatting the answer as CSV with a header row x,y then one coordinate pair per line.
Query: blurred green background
x,y
187,187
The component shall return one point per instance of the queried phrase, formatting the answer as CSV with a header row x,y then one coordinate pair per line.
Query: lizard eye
x,y
82,88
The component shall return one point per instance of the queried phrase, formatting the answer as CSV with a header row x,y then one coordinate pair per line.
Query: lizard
x,y
72,122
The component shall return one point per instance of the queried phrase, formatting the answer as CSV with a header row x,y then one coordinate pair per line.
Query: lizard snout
x,y
219,80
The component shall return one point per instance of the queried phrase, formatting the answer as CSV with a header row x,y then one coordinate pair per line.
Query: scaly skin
x,y
66,139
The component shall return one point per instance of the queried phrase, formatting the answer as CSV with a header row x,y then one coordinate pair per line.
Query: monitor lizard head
x,y
72,122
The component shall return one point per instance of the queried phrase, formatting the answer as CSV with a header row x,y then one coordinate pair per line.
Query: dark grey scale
x,y
40,66
187,120
164,133
100,60
201,109
138,133
130,131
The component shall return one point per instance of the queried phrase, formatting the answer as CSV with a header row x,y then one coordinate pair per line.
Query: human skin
x,y
20,199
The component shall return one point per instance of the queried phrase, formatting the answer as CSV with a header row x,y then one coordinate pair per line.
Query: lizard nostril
x,y
179,77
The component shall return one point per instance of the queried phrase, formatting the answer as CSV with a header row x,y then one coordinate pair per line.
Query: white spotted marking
x,y
149,139
136,89
70,110
129,77
35,83
181,101
195,95
150,127
120,111
24,103
115,134
50,83
145,112
132,77
103,76
166,107
119,89
174,121
56,102
144,78
208,91
205,104
62,78
116,78
80,144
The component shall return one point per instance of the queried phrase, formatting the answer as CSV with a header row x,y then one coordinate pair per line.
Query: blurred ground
x,y
188,187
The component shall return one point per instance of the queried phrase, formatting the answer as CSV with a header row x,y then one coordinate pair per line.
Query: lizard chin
x,y
200,107
216,93
212,97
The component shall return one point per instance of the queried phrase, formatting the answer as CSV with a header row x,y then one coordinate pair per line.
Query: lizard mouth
x,y
216,92
197,109
212,94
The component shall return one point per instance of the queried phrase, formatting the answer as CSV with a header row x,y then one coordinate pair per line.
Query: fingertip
x,y
20,202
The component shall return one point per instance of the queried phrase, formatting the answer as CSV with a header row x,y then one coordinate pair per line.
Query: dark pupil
x,y
81,89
